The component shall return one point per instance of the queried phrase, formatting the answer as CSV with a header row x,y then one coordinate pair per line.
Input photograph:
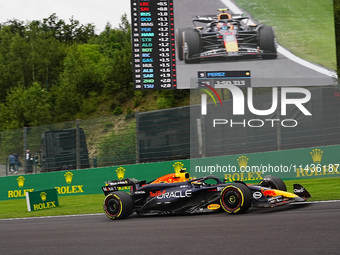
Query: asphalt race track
x,y
310,228
264,73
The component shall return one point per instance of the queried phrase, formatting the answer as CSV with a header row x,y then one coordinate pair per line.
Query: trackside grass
x,y
305,27
68,205
320,189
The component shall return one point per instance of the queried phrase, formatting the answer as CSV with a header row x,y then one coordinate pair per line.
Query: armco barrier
x,y
302,163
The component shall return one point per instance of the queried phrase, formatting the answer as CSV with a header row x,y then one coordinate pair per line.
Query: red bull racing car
x,y
178,194
224,36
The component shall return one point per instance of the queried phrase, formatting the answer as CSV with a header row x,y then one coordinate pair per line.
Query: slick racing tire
x,y
267,42
118,205
192,45
235,198
273,183
179,42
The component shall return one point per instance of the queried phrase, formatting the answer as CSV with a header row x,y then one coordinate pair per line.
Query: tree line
x,y
51,70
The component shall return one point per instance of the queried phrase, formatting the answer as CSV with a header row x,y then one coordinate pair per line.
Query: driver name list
x,y
153,44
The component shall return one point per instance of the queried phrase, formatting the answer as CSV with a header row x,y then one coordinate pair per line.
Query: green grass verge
x,y
68,205
305,27
320,189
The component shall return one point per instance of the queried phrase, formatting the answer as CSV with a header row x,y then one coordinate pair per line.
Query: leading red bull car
x,y
225,35
178,194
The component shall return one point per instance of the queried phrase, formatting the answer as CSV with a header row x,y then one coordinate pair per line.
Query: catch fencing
x,y
79,144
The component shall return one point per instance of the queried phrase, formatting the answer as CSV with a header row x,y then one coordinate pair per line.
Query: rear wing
x,y
115,185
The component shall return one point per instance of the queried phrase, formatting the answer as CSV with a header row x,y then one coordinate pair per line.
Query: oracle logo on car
x,y
176,194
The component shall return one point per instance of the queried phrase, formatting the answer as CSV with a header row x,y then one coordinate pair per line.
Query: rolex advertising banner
x,y
314,162
81,182
42,199
317,162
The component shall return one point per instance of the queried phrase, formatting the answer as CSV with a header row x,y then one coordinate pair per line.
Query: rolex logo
x,y
120,172
316,155
43,196
178,166
68,177
242,162
21,181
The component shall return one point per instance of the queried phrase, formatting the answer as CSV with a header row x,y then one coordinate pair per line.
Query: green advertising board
x,y
80,182
42,199
289,164
314,162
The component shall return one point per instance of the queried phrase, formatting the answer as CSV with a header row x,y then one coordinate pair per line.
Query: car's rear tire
x,y
235,198
192,42
118,205
273,183
267,42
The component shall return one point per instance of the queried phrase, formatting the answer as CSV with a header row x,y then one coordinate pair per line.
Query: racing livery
x,y
225,36
178,194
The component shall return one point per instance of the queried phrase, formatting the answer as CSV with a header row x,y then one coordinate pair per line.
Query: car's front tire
x,y
192,46
118,205
179,42
235,198
267,42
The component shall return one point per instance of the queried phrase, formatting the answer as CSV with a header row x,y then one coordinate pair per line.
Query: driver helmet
x,y
222,26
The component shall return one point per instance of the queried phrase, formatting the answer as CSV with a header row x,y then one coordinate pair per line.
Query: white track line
x,y
56,216
317,202
235,9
